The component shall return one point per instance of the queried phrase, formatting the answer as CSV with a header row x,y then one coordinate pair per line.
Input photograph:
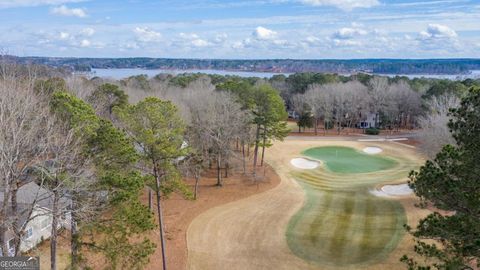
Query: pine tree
x,y
451,182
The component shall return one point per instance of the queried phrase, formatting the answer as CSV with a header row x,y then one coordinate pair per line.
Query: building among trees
x,y
38,219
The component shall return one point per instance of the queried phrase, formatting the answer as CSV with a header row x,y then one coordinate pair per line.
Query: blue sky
x,y
241,29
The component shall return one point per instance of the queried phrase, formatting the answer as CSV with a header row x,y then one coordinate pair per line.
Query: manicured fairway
x,y
341,223
341,159
315,219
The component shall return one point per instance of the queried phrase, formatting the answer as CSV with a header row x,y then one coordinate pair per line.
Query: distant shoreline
x,y
120,73
451,67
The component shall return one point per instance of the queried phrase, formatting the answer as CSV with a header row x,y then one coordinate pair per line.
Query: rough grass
x,y
340,159
341,223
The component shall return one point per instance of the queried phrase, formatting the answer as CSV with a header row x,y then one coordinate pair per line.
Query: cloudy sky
x,y
241,28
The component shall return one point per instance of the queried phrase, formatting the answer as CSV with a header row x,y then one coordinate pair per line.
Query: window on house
x,y
11,248
11,243
29,233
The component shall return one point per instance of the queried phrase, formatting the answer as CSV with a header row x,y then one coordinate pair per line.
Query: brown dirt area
x,y
179,213
343,132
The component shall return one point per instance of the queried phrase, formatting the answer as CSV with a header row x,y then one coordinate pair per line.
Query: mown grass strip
x,y
341,224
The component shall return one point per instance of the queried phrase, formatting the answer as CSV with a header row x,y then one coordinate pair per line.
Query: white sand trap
x,y
372,150
302,163
392,190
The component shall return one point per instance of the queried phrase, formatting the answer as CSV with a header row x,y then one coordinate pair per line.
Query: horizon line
x,y
246,59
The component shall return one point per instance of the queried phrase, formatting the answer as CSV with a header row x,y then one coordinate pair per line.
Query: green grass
x,y
341,224
341,159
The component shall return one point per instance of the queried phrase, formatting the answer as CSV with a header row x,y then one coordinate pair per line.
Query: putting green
x,y
341,224
341,159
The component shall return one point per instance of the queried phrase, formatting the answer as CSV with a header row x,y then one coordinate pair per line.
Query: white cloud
x,y
439,38
347,43
193,40
348,33
85,43
64,36
188,36
343,4
263,39
438,31
65,11
88,32
220,38
145,34
200,43
33,3
263,33
70,39
312,40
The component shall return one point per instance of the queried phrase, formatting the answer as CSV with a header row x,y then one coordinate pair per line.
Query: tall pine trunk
x,y
255,151
3,240
243,158
160,217
226,169
197,181
3,219
15,225
150,199
74,245
263,146
219,170
54,232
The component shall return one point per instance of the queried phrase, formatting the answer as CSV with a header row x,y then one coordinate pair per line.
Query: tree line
x,y
97,144
379,66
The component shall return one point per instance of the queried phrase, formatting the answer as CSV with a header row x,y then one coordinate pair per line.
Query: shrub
x,y
372,131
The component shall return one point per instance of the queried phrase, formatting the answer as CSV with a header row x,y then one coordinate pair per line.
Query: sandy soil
x,y
179,212
392,190
250,233
372,150
303,163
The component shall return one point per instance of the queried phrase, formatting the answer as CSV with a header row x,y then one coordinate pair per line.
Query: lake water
x,y
120,73
474,74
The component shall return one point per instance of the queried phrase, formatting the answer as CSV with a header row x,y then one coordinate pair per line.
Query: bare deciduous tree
x,y
434,132
65,171
219,122
25,127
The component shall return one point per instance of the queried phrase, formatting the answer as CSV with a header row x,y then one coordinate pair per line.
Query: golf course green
x,y
341,159
341,224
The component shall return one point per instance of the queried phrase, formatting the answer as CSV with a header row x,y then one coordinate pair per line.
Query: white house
x,y
293,114
369,121
38,225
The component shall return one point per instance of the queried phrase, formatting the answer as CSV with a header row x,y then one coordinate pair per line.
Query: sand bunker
x,y
372,150
392,190
302,163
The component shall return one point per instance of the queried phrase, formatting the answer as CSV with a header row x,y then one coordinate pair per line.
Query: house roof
x,y
31,192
